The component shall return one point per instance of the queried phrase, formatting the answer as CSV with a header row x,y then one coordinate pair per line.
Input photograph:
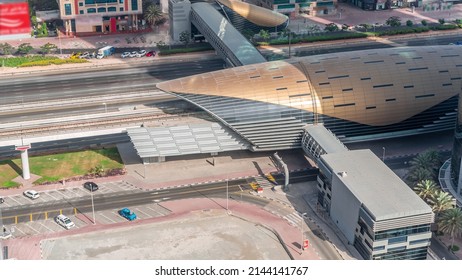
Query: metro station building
x,y
100,16
359,95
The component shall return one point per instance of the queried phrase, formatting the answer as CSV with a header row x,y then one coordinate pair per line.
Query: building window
x,y
80,4
91,11
134,5
81,12
67,9
378,248
399,239
112,9
101,10
121,1
121,9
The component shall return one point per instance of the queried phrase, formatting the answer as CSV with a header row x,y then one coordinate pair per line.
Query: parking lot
x,y
49,226
67,193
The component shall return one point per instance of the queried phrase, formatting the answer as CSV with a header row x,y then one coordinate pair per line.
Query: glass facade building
x,y
376,211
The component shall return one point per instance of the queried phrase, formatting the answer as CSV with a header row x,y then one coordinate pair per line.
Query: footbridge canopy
x,y
231,45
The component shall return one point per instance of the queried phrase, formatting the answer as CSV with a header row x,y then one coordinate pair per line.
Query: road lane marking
x,y
42,223
160,213
11,197
144,213
49,193
107,217
32,228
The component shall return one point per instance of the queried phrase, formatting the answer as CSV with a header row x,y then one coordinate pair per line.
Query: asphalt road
x,y
142,77
130,198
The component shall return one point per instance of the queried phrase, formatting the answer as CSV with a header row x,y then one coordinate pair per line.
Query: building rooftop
x,y
184,139
326,139
378,188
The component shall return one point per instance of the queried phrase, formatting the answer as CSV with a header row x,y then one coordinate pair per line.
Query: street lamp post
x,y
383,154
303,235
105,107
289,41
227,208
93,206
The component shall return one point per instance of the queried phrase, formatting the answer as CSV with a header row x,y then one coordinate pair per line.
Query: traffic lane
x,y
368,45
120,199
79,109
161,70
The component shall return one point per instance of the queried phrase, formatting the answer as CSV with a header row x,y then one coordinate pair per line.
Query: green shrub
x,y
407,30
409,23
56,61
444,27
310,39
424,22
441,21
455,248
10,185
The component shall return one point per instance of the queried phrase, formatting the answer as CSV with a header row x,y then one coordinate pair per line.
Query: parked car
x,y
31,194
141,53
458,43
2,199
91,186
85,55
125,54
133,54
127,214
64,221
76,55
151,53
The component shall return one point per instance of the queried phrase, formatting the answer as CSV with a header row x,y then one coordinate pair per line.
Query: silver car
x,y
31,194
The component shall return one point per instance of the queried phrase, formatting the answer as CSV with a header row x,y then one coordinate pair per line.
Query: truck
x,y
106,51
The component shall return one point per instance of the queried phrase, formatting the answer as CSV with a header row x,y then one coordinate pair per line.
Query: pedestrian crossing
x,y
294,219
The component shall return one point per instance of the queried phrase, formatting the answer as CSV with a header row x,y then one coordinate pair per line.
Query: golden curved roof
x,y
371,87
257,15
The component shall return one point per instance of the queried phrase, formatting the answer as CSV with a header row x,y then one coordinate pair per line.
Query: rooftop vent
x,y
342,174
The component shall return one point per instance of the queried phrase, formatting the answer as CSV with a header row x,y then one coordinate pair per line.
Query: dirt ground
x,y
203,235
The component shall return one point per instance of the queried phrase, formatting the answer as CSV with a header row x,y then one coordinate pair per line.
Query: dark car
x,y
2,200
151,53
91,186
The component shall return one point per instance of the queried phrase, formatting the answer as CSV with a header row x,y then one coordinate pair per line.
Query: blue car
x,y
127,214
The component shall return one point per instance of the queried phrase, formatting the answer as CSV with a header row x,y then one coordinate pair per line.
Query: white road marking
x,y
137,209
10,197
32,228
155,211
107,217
43,224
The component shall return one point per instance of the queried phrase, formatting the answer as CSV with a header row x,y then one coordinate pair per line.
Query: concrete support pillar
x,y
25,165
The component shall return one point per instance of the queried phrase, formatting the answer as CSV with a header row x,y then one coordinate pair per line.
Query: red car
x,y
151,53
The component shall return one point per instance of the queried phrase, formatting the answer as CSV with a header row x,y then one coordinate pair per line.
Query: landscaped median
x,y
65,166
38,60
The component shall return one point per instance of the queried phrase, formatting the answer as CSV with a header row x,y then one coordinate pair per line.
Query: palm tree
x,y
153,15
451,223
426,189
440,202
418,175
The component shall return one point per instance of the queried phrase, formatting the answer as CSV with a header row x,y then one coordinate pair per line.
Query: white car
x,y
133,54
31,194
125,54
64,221
141,53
